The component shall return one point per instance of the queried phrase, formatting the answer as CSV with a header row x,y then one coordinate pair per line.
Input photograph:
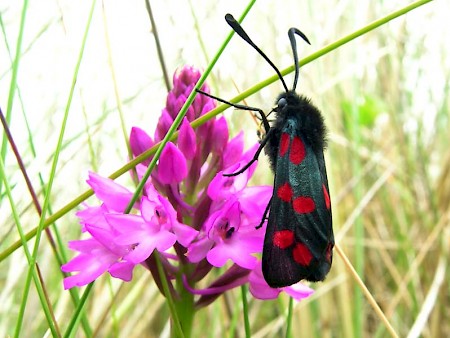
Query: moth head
x,y
282,102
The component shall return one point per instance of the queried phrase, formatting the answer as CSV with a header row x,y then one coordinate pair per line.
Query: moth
x,y
299,240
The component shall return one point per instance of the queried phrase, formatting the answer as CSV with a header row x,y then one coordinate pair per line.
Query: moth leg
x,y
239,106
255,158
264,215
264,121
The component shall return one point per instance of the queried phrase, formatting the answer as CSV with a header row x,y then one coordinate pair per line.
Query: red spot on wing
x,y
284,144
283,238
285,193
298,151
301,254
326,196
303,205
329,253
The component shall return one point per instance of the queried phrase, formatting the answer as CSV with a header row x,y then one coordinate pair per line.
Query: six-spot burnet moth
x,y
299,237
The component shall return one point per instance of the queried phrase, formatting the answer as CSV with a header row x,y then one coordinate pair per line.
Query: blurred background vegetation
x,y
385,100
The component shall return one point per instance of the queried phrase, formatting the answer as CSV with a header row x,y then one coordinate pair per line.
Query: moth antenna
x,y
291,34
240,31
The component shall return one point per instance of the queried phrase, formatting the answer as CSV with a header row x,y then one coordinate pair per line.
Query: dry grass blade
x,y
366,292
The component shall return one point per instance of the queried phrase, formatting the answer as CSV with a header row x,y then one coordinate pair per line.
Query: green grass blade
x,y
244,290
31,262
13,82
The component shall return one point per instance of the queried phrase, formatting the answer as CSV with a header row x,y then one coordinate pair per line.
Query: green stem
x,y
289,318
32,264
13,83
176,324
185,309
78,312
245,311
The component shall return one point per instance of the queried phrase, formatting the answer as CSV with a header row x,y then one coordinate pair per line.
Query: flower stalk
x,y
189,220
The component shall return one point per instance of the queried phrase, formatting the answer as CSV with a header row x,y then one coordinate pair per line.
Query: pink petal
x,y
254,200
84,245
89,265
148,208
207,105
112,194
220,136
80,279
198,250
185,234
92,215
187,140
260,290
125,223
221,187
221,253
165,240
218,256
172,166
298,291
259,287
233,151
122,270
140,141
106,237
164,123
161,241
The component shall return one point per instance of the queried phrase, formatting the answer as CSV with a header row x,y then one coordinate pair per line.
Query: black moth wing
x,y
299,237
